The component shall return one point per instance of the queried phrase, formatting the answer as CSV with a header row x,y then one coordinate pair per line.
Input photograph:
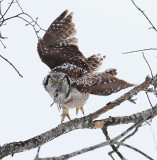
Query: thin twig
x,y
7,9
125,138
153,136
19,6
32,22
149,100
151,90
140,50
37,155
2,44
144,16
147,64
36,32
11,65
135,149
104,130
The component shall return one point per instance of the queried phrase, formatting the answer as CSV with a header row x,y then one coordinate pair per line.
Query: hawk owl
x,y
73,77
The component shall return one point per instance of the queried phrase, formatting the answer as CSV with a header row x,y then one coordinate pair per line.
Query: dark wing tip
x,y
62,15
130,85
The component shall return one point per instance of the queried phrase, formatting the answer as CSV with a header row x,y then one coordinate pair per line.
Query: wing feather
x,y
58,46
101,84
95,61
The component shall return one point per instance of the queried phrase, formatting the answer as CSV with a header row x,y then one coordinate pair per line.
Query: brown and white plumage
x,y
59,51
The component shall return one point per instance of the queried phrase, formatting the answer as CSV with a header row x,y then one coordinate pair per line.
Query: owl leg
x,y
81,108
65,113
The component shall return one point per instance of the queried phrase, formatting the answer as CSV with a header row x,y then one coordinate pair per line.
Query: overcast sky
x,y
106,27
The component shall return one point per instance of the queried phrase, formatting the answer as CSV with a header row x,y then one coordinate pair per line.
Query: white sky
x,y
106,27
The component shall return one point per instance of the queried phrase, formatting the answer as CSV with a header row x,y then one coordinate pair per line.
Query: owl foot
x,y
82,110
65,113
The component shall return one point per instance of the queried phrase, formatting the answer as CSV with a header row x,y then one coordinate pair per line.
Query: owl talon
x,y
65,113
82,110
63,117
77,109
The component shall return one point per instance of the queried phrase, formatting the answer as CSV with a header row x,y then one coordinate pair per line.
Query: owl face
x,y
58,86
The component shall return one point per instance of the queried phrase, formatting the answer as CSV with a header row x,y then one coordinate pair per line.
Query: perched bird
x,y
73,77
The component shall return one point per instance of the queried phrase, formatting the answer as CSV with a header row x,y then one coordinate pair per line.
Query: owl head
x,y
58,86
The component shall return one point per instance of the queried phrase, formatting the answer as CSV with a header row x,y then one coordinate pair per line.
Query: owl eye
x,y
52,80
62,81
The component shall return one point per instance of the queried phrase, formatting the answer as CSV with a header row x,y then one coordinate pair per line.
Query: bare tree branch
x,y
12,65
144,15
140,50
111,121
112,141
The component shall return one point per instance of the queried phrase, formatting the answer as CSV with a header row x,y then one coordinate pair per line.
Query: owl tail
x,y
104,83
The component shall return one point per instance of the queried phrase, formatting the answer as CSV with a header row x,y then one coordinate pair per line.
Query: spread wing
x,y
104,83
59,47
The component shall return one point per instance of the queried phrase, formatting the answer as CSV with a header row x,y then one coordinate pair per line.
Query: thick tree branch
x,y
112,141
140,118
112,121
15,147
80,123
